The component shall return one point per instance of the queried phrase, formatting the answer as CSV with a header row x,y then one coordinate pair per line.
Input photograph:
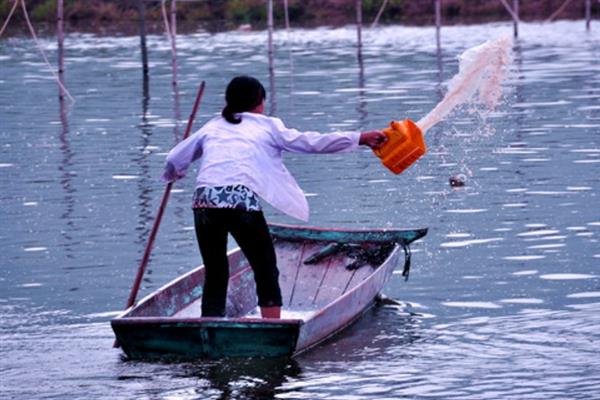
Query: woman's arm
x,y
181,156
315,142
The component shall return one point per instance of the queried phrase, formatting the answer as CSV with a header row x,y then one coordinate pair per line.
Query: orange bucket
x,y
404,146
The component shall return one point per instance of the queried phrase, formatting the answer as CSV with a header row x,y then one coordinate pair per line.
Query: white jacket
x,y
250,154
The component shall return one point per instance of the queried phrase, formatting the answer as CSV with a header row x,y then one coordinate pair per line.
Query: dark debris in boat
x,y
362,255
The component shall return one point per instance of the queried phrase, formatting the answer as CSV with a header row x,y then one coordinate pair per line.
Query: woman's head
x,y
243,93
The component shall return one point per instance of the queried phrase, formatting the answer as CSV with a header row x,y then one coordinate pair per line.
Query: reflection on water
x,y
503,300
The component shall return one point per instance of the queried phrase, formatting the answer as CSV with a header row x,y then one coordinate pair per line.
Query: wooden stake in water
x,y
514,13
588,14
516,18
61,53
270,34
10,14
379,13
438,22
270,56
174,40
359,29
286,14
142,26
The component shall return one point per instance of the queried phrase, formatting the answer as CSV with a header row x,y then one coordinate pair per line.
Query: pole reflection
x,y
144,183
362,103
66,181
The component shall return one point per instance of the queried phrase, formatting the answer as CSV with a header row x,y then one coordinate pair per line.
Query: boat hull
x,y
200,338
324,289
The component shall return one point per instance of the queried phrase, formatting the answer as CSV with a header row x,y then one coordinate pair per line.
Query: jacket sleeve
x,y
181,156
295,141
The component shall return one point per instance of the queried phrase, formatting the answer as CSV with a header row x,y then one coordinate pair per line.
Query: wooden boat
x,y
328,279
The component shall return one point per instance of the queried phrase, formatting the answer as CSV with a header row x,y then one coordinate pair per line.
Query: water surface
x,y
504,297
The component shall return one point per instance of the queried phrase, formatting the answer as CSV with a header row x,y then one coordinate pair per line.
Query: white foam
x,y
594,161
467,211
547,246
30,285
104,314
472,304
465,243
523,258
458,235
526,272
541,232
566,277
522,301
583,295
33,249
514,205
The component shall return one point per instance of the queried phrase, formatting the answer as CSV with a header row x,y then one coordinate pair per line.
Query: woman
x,y
241,161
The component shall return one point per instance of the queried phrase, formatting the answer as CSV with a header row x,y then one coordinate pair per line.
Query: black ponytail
x,y
243,93
230,115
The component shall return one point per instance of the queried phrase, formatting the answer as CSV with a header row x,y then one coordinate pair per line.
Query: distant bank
x,y
110,16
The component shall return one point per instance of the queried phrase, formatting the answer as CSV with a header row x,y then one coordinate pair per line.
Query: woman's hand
x,y
373,139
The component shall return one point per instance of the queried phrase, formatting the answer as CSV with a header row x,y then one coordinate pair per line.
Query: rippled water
x,y
504,298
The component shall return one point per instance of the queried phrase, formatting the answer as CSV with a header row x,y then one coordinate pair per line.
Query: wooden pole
x,y
557,12
142,26
438,22
270,56
142,268
61,49
359,28
270,32
10,14
588,14
174,40
41,49
516,18
287,14
379,13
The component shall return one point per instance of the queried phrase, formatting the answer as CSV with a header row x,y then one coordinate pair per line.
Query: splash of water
x,y
480,74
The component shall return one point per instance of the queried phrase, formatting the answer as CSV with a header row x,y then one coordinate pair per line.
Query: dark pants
x,y
250,231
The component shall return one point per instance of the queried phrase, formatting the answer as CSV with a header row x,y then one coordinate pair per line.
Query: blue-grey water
x,y
504,296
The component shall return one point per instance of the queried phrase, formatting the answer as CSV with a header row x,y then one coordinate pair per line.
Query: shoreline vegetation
x,y
121,17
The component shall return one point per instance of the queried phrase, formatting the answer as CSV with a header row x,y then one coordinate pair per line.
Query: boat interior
x,y
312,275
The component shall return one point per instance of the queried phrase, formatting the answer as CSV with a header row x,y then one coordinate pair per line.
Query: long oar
x,y
142,268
